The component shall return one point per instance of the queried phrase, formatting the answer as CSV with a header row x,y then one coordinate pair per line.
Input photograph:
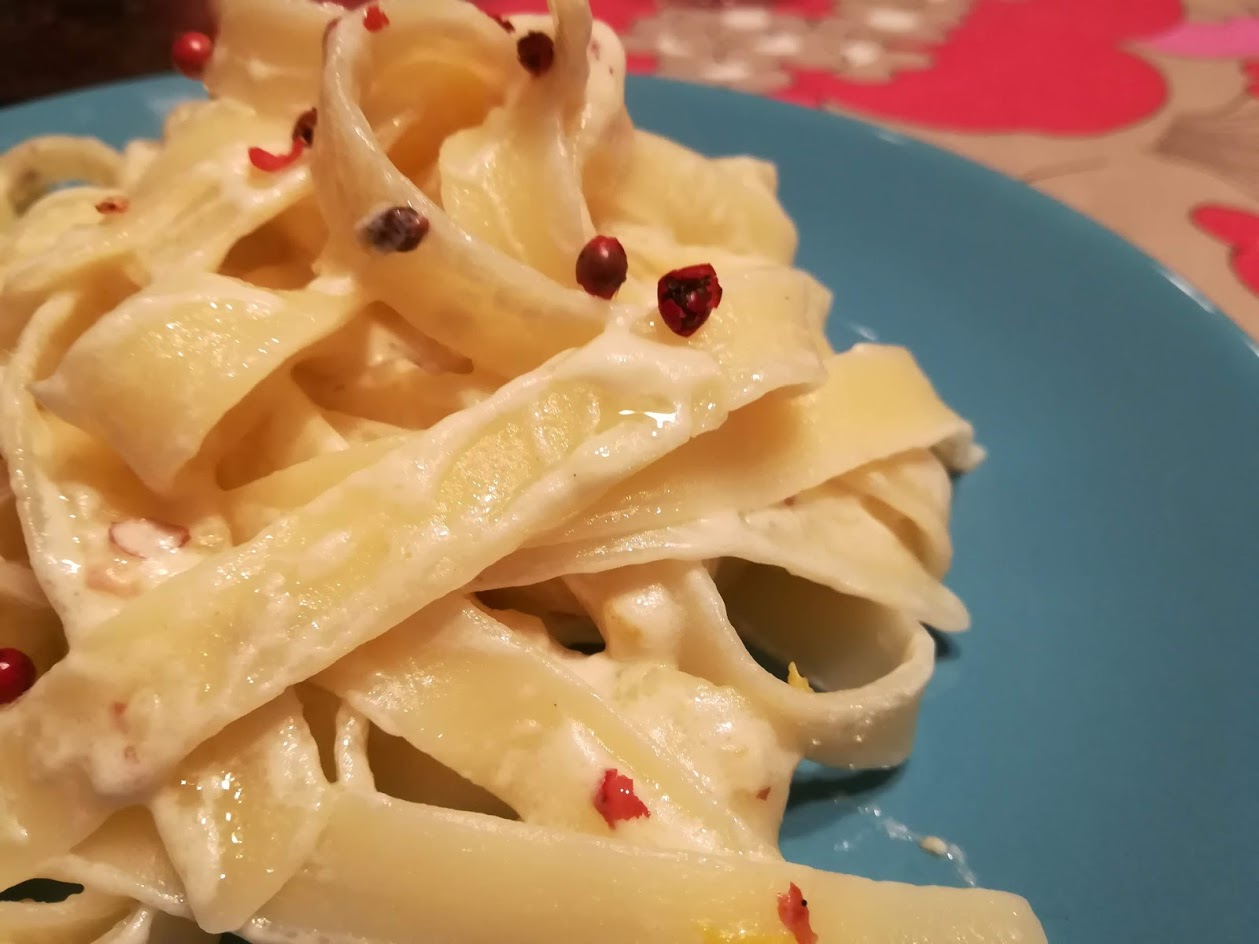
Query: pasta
x,y
402,455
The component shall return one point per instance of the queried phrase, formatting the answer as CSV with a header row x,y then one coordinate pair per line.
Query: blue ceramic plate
x,y
1090,743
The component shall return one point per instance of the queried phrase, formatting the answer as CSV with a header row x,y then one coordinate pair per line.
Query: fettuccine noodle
x,y
402,454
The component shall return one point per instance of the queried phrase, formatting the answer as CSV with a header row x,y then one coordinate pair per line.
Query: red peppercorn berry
x,y
190,52
793,912
111,205
687,296
398,229
17,675
264,160
601,266
374,19
536,52
304,127
615,799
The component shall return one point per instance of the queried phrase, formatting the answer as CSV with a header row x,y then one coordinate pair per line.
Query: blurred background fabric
x,y
1143,114
49,46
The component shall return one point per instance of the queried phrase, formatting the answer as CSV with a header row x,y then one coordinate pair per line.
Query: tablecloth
x,y
1143,114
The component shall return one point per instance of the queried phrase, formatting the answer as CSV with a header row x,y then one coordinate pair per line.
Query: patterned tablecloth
x,y
1143,114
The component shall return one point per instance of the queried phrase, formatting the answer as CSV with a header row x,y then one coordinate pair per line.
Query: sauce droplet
x,y
146,538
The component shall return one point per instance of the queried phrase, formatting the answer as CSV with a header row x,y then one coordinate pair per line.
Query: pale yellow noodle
x,y
299,531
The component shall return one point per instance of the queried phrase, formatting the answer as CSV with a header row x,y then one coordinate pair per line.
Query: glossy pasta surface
x,y
382,582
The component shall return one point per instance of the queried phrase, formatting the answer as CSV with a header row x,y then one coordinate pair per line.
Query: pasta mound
x,y
381,581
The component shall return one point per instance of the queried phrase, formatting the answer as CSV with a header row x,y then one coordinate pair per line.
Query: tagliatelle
x,y
324,469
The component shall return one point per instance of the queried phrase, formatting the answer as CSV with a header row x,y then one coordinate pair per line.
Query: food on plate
x,y
404,453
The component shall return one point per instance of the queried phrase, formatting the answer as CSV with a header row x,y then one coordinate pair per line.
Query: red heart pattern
x,y
1238,229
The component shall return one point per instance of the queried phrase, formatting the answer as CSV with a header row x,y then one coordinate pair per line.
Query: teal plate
x,y
1091,743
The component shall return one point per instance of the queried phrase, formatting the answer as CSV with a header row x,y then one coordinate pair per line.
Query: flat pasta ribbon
x,y
380,585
